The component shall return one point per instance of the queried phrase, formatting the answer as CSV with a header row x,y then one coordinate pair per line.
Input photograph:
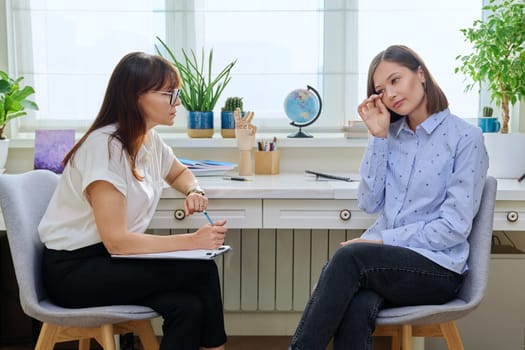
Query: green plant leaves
x,y
200,90
498,52
13,99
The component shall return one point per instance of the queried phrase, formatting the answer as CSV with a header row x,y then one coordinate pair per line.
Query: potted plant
x,y
498,60
498,55
227,119
13,103
200,91
487,122
487,112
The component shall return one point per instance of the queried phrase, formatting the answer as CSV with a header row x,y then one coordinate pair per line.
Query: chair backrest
x,y
24,199
480,241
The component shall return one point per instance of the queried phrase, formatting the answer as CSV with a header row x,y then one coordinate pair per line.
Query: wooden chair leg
x,y
84,344
47,337
393,332
147,337
451,335
105,337
406,337
395,342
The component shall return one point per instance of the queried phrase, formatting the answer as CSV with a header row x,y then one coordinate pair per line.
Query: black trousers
x,y
185,292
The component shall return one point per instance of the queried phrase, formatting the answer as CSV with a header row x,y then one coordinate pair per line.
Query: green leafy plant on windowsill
x,y
13,100
498,57
200,91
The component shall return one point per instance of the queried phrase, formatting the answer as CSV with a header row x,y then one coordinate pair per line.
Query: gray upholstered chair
x,y
401,323
23,199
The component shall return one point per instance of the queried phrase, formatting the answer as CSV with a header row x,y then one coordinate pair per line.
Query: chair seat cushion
x,y
92,316
422,314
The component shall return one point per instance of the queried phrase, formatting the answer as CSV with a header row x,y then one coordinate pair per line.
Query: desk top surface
x,y
305,186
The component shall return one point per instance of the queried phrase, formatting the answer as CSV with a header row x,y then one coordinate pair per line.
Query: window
x,y
67,50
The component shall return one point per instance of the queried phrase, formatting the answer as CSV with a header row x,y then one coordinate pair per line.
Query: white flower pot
x,y
505,158
4,148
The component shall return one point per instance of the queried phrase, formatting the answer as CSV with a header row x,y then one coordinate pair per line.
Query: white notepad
x,y
198,254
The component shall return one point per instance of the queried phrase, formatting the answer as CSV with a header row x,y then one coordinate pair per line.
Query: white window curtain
x,y
67,50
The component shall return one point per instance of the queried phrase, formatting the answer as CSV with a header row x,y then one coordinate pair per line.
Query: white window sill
x,y
181,140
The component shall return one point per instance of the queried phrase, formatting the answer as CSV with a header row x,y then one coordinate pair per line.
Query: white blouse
x,y
69,223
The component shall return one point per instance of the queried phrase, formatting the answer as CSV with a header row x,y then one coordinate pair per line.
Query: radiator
x,y
273,269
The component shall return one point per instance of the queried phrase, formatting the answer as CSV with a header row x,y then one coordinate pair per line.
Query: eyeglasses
x,y
174,95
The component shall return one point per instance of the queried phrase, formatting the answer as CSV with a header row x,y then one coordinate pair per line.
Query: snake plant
x,y
200,91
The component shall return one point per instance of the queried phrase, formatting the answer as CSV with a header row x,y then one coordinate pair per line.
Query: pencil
x,y
208,217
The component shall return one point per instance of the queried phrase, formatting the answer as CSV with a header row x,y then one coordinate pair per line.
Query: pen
x,y
236,178
208,217
522,177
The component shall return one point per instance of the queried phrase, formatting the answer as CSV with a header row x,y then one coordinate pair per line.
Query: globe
x,y
302,107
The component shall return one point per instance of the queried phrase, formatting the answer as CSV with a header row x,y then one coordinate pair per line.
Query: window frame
x,y
337,76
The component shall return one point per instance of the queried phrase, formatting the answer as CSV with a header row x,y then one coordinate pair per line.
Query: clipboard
x,y
194,254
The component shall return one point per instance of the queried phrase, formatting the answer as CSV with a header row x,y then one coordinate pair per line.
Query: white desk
x,y
299,201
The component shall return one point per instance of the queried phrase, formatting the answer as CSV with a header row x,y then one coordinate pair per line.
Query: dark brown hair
x,y
135,74
436,99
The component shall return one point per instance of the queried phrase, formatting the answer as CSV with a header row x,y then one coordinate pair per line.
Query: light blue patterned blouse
x,y
426,186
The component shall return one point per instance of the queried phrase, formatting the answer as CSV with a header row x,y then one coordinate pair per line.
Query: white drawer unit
x,y
314,214
239,213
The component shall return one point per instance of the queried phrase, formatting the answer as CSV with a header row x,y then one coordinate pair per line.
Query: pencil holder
x,y
267,163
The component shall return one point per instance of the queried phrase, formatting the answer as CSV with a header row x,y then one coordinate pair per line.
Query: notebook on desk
x,y
195,254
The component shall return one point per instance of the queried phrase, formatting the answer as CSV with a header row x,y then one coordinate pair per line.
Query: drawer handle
x,y
345,214
512,216
179,214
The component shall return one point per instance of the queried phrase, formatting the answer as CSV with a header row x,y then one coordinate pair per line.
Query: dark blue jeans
x,y
359,280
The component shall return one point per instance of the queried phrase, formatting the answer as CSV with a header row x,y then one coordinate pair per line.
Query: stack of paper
x,y
355,129
208,167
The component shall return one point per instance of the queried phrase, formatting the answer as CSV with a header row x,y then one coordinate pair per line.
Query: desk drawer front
x,y
509,216
335,214
240,213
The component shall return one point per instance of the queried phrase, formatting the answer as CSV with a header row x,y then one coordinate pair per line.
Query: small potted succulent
x,y
487,112
227,119
13,104
487,122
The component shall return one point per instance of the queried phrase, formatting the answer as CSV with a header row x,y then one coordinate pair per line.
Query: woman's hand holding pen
x,y
375,115
210,236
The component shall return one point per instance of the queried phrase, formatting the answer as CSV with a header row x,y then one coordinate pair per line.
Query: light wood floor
x,y
257,343
234,343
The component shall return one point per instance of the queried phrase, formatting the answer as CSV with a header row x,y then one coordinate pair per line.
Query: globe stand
x,y
300,134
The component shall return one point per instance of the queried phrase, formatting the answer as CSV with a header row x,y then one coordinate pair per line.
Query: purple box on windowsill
x,y
50,148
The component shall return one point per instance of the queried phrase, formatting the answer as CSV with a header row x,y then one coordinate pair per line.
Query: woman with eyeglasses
x,y
422,174
105,200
